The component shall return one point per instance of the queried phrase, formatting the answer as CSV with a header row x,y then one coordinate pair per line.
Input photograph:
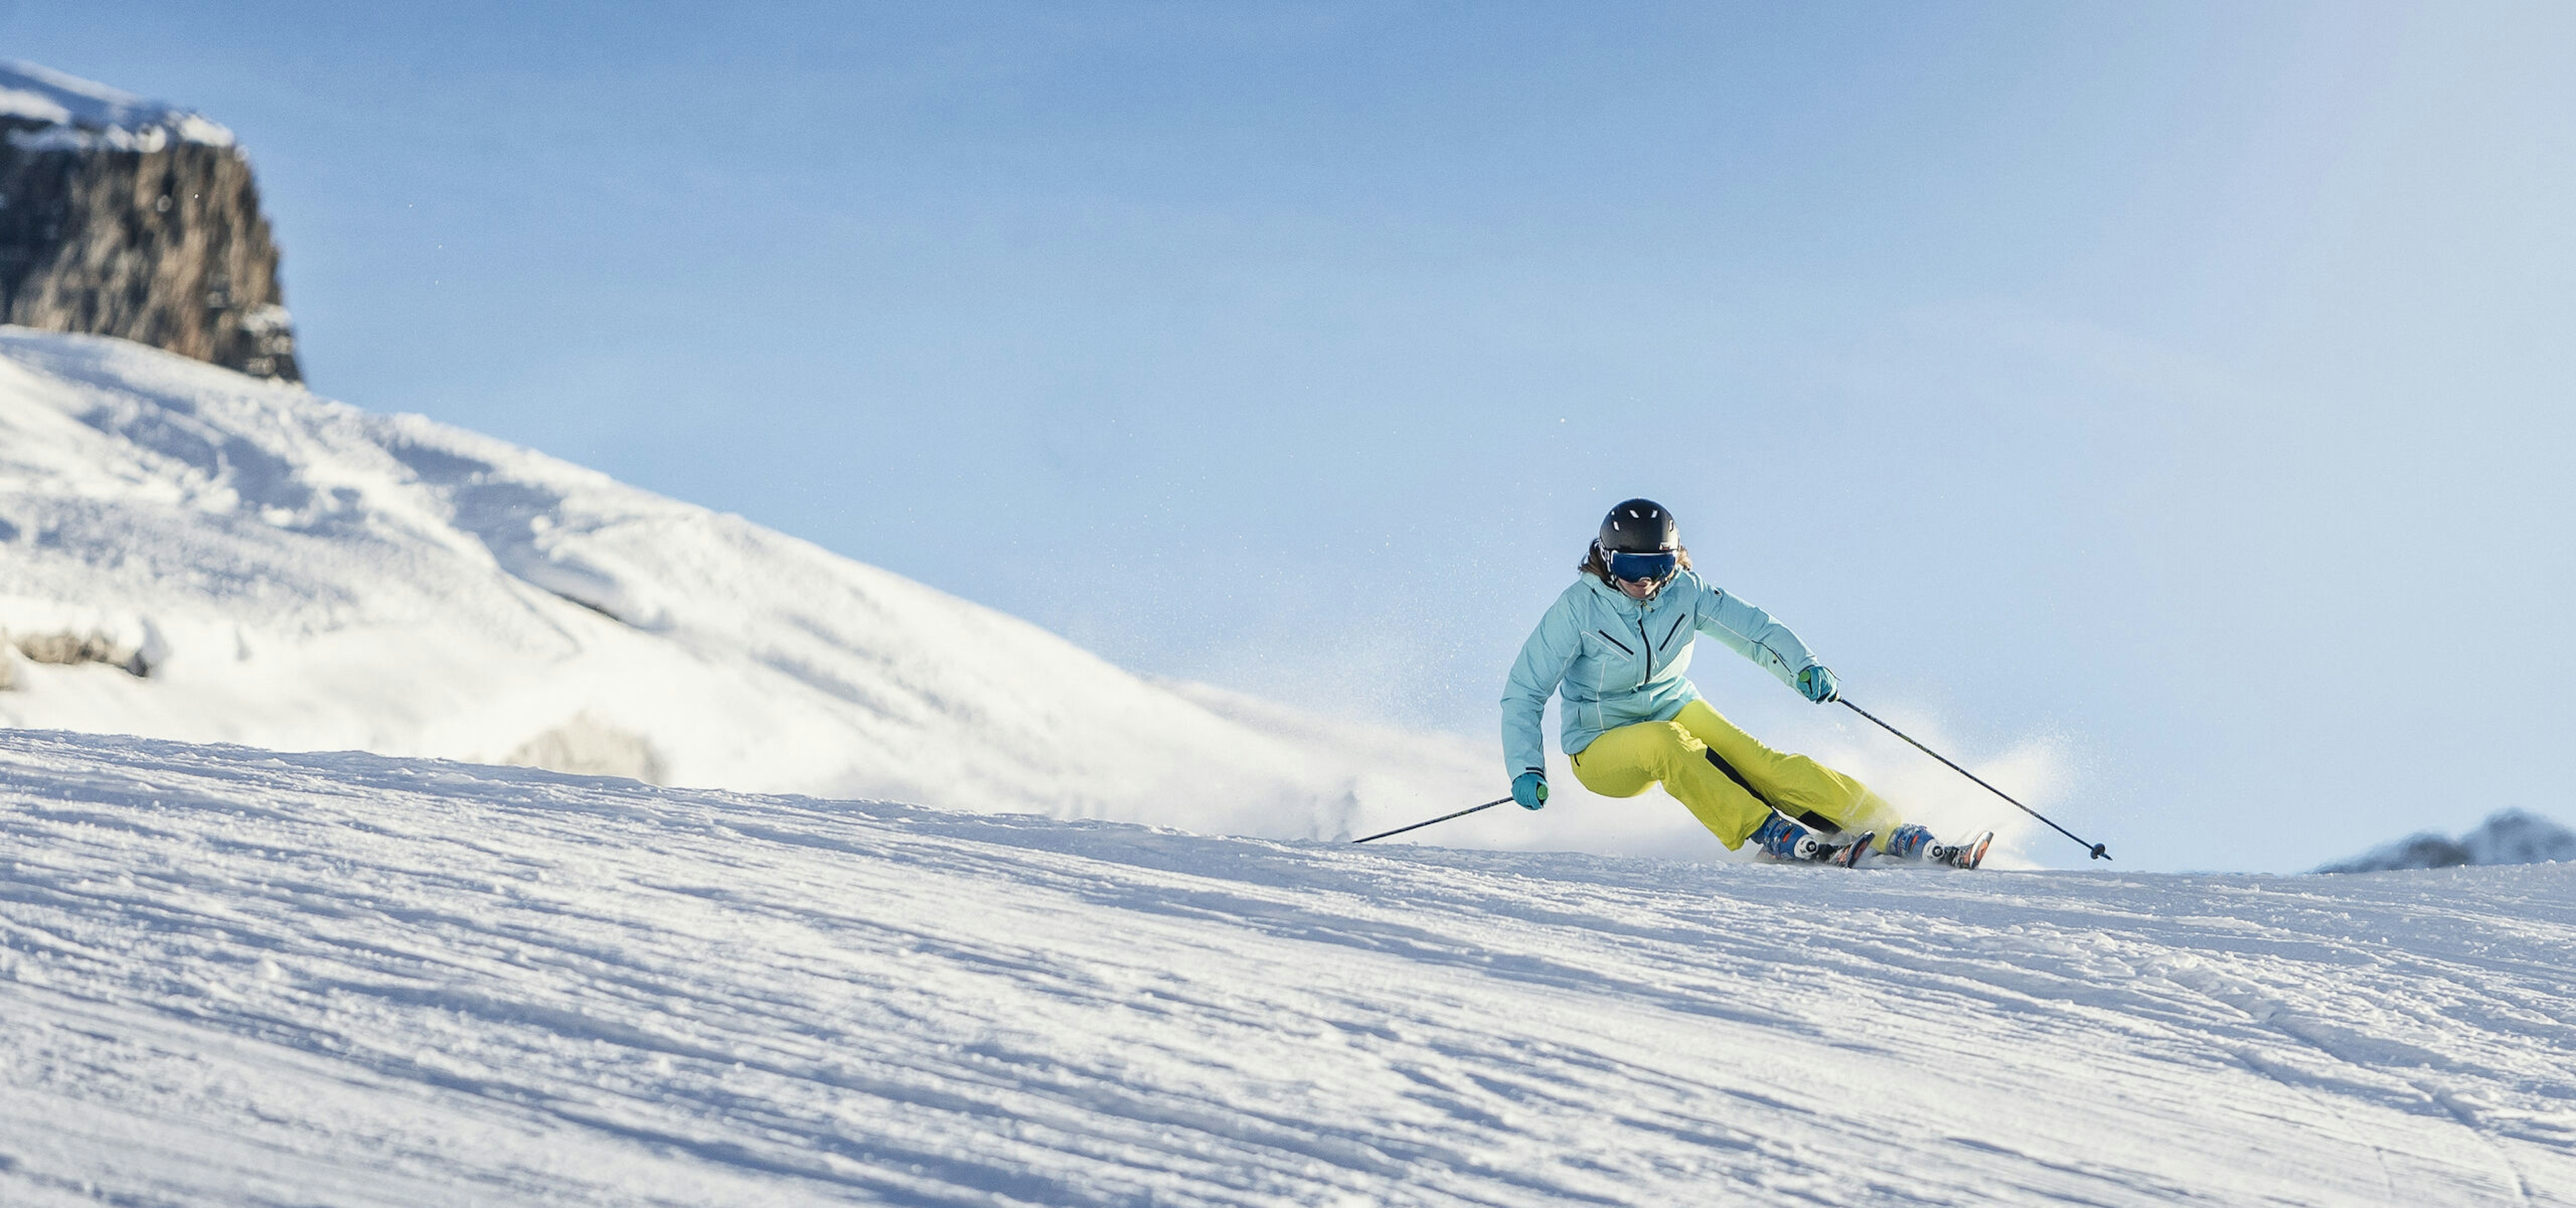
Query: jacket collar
x,y
1686,582
1619,600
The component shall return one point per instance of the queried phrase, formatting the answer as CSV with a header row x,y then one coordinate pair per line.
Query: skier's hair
x,y
1597,564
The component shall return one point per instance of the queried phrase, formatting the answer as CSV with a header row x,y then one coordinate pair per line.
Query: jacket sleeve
x,y
1751,632
1535,674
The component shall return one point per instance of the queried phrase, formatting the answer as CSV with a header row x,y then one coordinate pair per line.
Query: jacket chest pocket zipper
x,y
1668,634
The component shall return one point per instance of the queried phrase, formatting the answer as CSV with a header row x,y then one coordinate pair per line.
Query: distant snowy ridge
x,y
190,553
2507,837
51,110
231,977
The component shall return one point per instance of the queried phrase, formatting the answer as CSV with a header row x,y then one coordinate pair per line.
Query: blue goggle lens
x,y
1644,568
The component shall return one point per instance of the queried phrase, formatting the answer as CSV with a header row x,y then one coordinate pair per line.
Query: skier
x,y
1614,646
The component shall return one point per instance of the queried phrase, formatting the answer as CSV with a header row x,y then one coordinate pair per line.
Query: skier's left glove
x,y
1817,684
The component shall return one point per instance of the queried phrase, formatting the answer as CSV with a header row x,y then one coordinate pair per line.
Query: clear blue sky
x,y
2187,384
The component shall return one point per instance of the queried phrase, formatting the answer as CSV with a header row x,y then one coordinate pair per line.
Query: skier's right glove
x,y
1530,790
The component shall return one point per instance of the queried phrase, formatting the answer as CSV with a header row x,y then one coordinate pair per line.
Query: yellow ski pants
x,y
1727,780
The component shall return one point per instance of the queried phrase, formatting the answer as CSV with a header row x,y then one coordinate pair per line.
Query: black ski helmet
x,y
1639,526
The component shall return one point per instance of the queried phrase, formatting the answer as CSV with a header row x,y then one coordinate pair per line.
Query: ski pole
x,y
1442,818
2099,852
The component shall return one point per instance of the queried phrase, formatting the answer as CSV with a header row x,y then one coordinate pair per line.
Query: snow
x,y
297,574
80,114
230,976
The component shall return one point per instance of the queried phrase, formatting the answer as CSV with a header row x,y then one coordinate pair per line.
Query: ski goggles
x,y
1644,568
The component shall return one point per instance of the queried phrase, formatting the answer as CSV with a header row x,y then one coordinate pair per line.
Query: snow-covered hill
x,y
2506,837
234,977
202,556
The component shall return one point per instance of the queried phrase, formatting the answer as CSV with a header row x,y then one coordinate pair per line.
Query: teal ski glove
x,y
1817,684
1530,789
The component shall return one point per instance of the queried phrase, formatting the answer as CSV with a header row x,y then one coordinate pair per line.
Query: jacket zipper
x,y
1623,646
1649,644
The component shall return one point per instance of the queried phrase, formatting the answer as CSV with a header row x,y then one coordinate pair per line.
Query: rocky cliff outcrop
x,y
124,217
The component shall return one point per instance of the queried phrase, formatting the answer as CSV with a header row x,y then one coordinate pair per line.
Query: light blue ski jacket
x,y
1618,662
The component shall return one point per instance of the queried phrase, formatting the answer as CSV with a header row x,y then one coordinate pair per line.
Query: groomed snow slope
x,y
235,977
298,574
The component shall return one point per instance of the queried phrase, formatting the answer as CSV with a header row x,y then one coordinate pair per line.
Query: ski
x,y
1842,849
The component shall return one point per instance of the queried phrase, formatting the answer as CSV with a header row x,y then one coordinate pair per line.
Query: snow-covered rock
x,y
55,110
2507,837
126,217
235,977
189,553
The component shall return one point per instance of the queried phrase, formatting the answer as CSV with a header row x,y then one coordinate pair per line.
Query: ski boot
x,y
1967,853
1915,842
1909,842
1782,839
